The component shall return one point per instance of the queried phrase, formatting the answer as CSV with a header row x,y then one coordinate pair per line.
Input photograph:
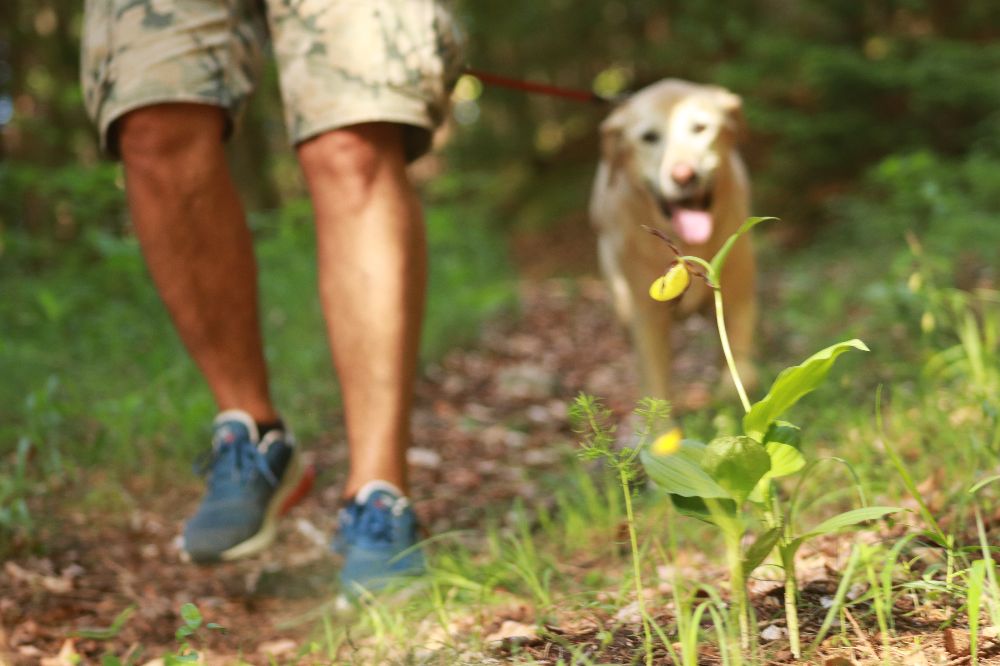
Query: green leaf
x,y
846,519
784,432
985,482
191,615
106,633
681,473
785,460
736,464
695,507
760,549
791,385
183,631
719,260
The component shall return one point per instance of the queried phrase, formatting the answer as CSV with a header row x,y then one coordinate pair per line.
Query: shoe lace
x,y
377,524
241,457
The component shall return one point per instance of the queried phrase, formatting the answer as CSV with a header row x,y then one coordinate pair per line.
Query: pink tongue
x,y
694,226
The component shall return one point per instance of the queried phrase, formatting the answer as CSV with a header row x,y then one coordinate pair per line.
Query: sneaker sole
x,y
294,486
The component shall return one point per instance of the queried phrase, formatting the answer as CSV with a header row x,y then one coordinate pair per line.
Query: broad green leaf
x,y
695,507
846,519
784,432
719,260
681,474
736,464
785,460
183,631
191,615
760,549
791,385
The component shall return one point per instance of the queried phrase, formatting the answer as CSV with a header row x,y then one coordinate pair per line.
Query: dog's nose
x,y
682,173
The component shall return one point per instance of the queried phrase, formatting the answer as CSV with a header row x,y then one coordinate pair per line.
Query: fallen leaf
x,y
511,629
839,661
278,647
956,642
916,659
67,656
629,614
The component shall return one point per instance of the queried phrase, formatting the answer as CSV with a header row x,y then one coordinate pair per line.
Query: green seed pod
x,y
672,284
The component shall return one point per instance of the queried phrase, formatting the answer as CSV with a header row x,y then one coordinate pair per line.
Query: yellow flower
x,y
672,284
668,443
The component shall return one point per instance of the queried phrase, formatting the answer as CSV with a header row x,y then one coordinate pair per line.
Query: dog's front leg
x,y
740,300
651,323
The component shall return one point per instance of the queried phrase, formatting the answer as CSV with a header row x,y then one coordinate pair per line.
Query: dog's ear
x,y
614,149
732,105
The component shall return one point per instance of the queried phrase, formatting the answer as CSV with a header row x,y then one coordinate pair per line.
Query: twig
x,y
861,634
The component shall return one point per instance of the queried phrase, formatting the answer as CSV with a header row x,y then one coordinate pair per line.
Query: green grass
x,y
94,374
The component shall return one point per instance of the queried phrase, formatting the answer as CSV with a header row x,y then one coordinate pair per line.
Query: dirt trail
x,y
490,421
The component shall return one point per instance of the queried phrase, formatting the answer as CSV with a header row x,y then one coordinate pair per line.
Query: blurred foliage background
x,y
867,119
831,89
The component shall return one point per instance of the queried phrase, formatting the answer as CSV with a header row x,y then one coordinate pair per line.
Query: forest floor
x,y
485,423
491,429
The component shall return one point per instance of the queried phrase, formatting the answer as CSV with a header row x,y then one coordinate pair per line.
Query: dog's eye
x,y
650,136
698,128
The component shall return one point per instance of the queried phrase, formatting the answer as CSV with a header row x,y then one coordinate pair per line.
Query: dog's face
x,y
671,138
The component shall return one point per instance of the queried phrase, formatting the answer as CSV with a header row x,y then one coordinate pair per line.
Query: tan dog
x,y
669,161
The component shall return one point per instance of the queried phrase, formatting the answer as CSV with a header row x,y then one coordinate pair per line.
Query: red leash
x,y
539,88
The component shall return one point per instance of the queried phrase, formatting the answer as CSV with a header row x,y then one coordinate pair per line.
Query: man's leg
x,y
193,233
372,278
199,251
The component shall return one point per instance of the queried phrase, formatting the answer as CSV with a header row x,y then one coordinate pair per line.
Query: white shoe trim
x,y
373,486
242,417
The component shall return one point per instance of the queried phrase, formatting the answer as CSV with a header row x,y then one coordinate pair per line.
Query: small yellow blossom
x,y
672,284
928,323
668,443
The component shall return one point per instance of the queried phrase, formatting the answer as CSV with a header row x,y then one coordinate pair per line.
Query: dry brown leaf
x,y
511,629
278,647
67,656
839,661
916,659
956,642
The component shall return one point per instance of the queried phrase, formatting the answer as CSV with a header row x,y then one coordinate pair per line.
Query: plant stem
x,y
738,586
636,570
727,351
791,597
787,554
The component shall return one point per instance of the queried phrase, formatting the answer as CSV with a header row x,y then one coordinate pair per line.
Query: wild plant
x,y
188,634
594,423
730,481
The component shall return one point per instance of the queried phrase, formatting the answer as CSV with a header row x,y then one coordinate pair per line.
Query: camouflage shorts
x,y
340,62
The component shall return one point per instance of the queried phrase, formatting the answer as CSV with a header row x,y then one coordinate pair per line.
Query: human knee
x,y
350,160
176,142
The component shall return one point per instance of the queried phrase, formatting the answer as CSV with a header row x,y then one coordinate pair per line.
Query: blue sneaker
x,y
251,482
377,536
